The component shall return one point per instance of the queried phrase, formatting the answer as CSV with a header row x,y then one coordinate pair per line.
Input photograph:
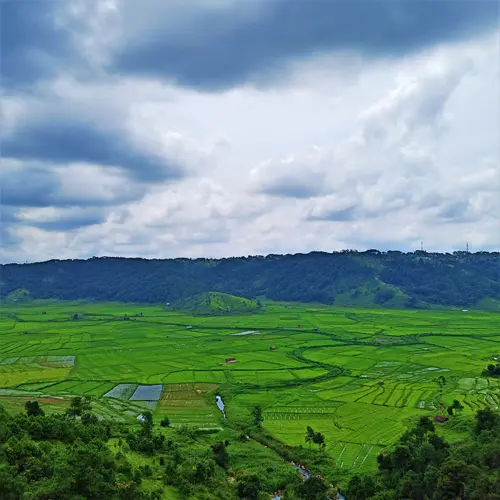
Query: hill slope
x,y
381,278
216,303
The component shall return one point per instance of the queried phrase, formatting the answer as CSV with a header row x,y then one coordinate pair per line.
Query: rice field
x,y
358,376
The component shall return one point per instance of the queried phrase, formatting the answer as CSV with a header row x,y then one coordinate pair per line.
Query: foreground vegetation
x,y
424,466
329,388
349,278
74,455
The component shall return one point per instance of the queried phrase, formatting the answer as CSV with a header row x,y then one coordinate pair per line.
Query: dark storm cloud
x,y
38,185
31,187
63,142
217,49
32,44
8,218
69,222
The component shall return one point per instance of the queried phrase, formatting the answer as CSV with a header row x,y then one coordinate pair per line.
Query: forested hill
x,y
397,279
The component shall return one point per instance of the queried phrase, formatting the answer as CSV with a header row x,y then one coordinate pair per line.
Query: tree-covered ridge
x,y
390,278
423,466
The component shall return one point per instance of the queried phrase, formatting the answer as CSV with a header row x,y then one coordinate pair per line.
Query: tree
x,y
309,435
486,420
165,422
319,439
257,416
455,406
11,485
33,409
79,405
75,408
221,455
425,423
75,316
147,423
89,419
313,488
361,487
249,487
492,370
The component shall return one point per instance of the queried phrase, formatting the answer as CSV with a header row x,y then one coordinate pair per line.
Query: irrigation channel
x,y
303,471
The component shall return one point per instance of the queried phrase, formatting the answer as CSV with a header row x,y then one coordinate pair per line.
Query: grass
x,y
357,375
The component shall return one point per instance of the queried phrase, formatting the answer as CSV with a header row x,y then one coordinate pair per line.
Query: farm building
x,y
230,360
440,419
273,348
299,326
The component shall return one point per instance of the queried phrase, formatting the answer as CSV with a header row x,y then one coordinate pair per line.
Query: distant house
x,y
440,419
230,360
273,348
299,326
189,327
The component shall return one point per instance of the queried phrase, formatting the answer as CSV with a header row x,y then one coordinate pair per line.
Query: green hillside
x,y
216,303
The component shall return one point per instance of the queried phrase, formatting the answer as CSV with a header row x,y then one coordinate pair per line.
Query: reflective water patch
x,y
121,391
147,393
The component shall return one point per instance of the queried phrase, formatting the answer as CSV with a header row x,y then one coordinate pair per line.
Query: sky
x,y
215,128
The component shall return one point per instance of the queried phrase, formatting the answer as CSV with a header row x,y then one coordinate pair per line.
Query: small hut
x,y
440,419
273,348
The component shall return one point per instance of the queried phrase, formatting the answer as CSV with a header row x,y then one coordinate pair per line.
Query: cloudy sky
x,y
166,128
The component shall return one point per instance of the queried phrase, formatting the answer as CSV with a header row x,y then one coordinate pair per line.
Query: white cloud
x,y
394,153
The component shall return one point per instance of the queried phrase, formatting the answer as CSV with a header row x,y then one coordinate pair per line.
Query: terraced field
x,y
358,376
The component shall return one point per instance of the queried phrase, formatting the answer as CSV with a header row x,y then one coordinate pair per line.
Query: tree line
x,y
420,278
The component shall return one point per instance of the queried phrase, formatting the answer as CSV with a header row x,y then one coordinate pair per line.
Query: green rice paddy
x,y
358,376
